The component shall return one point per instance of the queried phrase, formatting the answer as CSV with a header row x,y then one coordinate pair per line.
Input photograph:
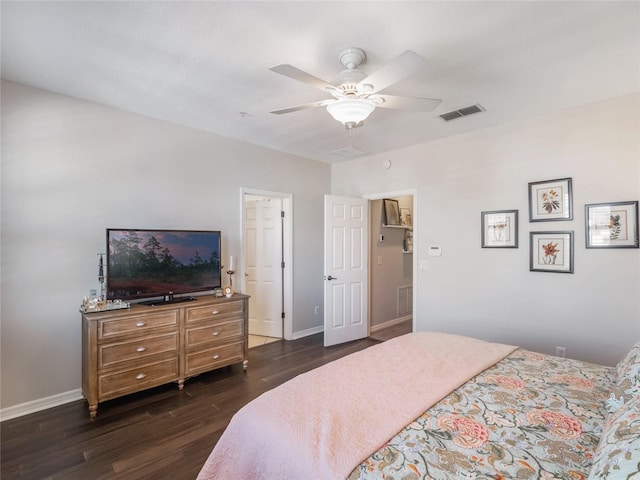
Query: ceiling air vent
x,y
462,112
349,152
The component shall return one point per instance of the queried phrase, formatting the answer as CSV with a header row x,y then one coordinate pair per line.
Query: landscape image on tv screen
x,y
148,263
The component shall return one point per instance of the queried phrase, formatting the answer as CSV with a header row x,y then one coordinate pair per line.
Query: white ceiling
x,y
201,64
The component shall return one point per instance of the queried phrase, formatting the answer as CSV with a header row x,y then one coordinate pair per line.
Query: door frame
x,y
287,242
416,246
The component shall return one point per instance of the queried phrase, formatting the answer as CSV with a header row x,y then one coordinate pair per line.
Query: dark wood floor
x,y
156,434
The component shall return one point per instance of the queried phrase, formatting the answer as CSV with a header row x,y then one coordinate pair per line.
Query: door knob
x,y
331,278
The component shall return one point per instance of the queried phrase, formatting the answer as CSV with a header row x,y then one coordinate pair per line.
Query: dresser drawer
x,y
120,383
214,357
136,324
118,352
214,331
215,311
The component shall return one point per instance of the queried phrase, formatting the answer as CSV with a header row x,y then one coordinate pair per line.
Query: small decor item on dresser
x,y
550,200
228,291
612,225
90,303
93,303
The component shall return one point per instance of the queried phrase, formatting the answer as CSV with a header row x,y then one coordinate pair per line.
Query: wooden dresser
x,y
125,351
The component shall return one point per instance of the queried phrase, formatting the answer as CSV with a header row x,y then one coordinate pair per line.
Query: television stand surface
x,y
160,301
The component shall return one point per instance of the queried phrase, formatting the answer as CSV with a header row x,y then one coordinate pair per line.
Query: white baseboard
x,y
16,411
375,328
389,323
307,332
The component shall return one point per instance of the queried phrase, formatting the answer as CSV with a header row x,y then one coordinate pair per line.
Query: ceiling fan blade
x,y
321,103
415,104
399,68
304,77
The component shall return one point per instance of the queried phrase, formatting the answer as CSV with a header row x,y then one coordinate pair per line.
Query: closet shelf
x,y
401,227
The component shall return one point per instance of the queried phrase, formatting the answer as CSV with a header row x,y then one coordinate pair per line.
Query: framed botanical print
x,y
550,200
551,252
611,225
499,229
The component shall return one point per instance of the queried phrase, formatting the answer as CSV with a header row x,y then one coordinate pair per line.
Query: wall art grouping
x,y
607,225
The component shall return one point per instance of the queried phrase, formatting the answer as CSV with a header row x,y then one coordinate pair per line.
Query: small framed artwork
x,y
500,229
551,252
405,217
550,200
611,225
408,241
391,212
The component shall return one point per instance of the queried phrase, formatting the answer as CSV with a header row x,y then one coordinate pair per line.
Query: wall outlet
x,y
316,310
561,352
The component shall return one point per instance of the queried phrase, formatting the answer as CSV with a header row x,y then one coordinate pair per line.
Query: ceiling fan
x,y
356,95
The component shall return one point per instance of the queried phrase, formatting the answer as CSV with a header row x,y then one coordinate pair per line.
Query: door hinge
x,y
282,213
282,314
282,264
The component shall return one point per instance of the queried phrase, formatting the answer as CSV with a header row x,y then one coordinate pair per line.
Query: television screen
x,y
155,263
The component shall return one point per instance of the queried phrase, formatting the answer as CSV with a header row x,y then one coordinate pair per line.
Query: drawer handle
x,y
140,324
216,356
141,349
216,333
215,312
140,376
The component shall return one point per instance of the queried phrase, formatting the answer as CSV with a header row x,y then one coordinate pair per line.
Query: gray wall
x,y
70,169
490,293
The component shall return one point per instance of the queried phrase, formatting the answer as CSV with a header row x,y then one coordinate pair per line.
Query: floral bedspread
x,y
530,416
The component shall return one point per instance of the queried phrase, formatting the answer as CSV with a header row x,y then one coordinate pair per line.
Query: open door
x,y
263,253
345,269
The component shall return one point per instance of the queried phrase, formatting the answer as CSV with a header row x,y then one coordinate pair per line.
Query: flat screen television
x,y
148,264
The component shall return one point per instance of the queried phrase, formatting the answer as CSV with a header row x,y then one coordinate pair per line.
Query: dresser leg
x,y
245,364
180,383
93,411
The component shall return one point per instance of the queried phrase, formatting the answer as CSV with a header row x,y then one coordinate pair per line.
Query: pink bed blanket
x,y
324,423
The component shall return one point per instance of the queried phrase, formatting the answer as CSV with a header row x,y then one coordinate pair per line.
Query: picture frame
x,y
408,241
406,219
499,229
551,251
391,212
551,200
611,225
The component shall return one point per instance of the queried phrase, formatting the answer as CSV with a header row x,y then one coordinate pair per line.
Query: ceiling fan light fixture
x,y
351,110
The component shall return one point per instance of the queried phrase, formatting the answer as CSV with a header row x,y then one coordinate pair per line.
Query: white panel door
x,y
345,269
263,266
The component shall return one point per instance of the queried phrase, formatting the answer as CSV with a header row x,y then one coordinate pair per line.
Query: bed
x,y
438,406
